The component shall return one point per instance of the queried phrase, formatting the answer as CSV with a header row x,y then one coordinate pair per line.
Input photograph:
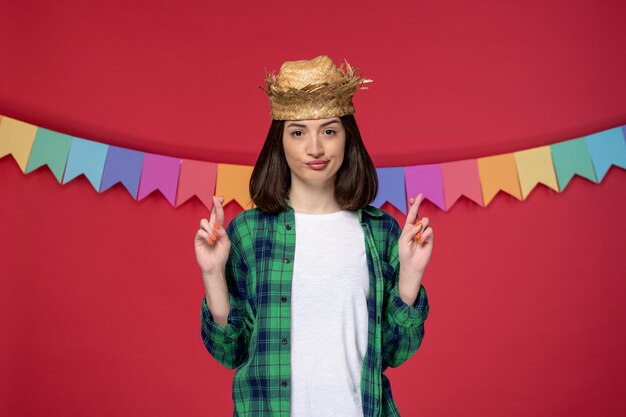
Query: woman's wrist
x,y
212,276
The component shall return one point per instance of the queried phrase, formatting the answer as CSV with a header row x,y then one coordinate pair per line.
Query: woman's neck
x,y
313,200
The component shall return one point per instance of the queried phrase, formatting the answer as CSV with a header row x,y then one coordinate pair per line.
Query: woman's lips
x,y
318,166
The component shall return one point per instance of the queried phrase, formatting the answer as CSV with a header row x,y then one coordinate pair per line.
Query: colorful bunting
x,y
572,157
122,165
607,148
498,173
159,172
461,178
16,139
86,157
178,180
49,148
391,188
233,183
197,178
425,179
534,166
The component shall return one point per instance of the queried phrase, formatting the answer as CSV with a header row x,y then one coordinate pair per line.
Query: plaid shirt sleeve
x,y
229,344
403,324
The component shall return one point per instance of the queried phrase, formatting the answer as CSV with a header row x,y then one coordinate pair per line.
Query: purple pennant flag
x,y
425,179
122,165
391,188
159,172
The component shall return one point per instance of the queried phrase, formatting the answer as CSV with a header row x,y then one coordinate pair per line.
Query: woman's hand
x,y
211,241
416,241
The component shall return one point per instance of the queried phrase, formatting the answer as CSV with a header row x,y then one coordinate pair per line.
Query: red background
x,y
100,294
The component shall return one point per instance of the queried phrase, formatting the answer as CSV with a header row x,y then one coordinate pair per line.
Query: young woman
x,y
313,293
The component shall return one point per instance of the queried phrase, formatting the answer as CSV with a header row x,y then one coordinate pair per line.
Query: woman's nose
x,y
315,147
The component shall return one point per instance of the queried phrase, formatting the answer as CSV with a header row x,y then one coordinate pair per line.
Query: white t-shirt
x,y
328,315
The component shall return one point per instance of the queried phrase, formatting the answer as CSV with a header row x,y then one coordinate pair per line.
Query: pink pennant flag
x,y
159,172
461,178
425,179
197,178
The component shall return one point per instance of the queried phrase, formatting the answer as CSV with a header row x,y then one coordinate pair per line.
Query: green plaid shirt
x,y
256,338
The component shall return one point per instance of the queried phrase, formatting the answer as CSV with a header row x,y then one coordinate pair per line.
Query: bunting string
x,y
178,180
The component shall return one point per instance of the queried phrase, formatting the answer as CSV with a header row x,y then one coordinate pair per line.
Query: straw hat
x,y
312,89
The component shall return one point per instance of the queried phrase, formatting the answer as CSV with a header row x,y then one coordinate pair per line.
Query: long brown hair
x,y
356,183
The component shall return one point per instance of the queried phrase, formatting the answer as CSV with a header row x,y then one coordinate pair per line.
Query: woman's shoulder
x,y
246,221
382,221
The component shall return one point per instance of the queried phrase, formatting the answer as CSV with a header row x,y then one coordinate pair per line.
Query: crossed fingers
x,y
414,225
215,221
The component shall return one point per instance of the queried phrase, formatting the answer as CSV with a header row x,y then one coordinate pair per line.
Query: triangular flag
x,y
535,166
197,178
86,157
233,182
498,172
16,139
391,188
49,148
123,165
572,157
425,179
461,178
159,173
607,148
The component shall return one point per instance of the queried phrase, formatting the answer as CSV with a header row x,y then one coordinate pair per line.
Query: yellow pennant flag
x,y
233,183
16,138
497,173
535,166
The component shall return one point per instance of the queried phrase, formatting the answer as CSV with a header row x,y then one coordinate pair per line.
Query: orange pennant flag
x,y
233,182
16,138
498,172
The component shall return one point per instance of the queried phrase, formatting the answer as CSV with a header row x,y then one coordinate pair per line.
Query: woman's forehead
x,y
312,123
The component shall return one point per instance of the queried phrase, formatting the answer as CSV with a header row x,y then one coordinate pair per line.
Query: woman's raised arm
x,y
225,328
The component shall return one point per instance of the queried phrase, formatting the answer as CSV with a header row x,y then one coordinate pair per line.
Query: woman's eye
x,y
298,133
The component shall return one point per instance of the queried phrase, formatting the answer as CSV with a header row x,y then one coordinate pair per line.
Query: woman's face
x,y
306,141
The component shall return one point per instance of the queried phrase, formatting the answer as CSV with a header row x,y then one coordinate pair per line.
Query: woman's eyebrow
x,y
301,125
